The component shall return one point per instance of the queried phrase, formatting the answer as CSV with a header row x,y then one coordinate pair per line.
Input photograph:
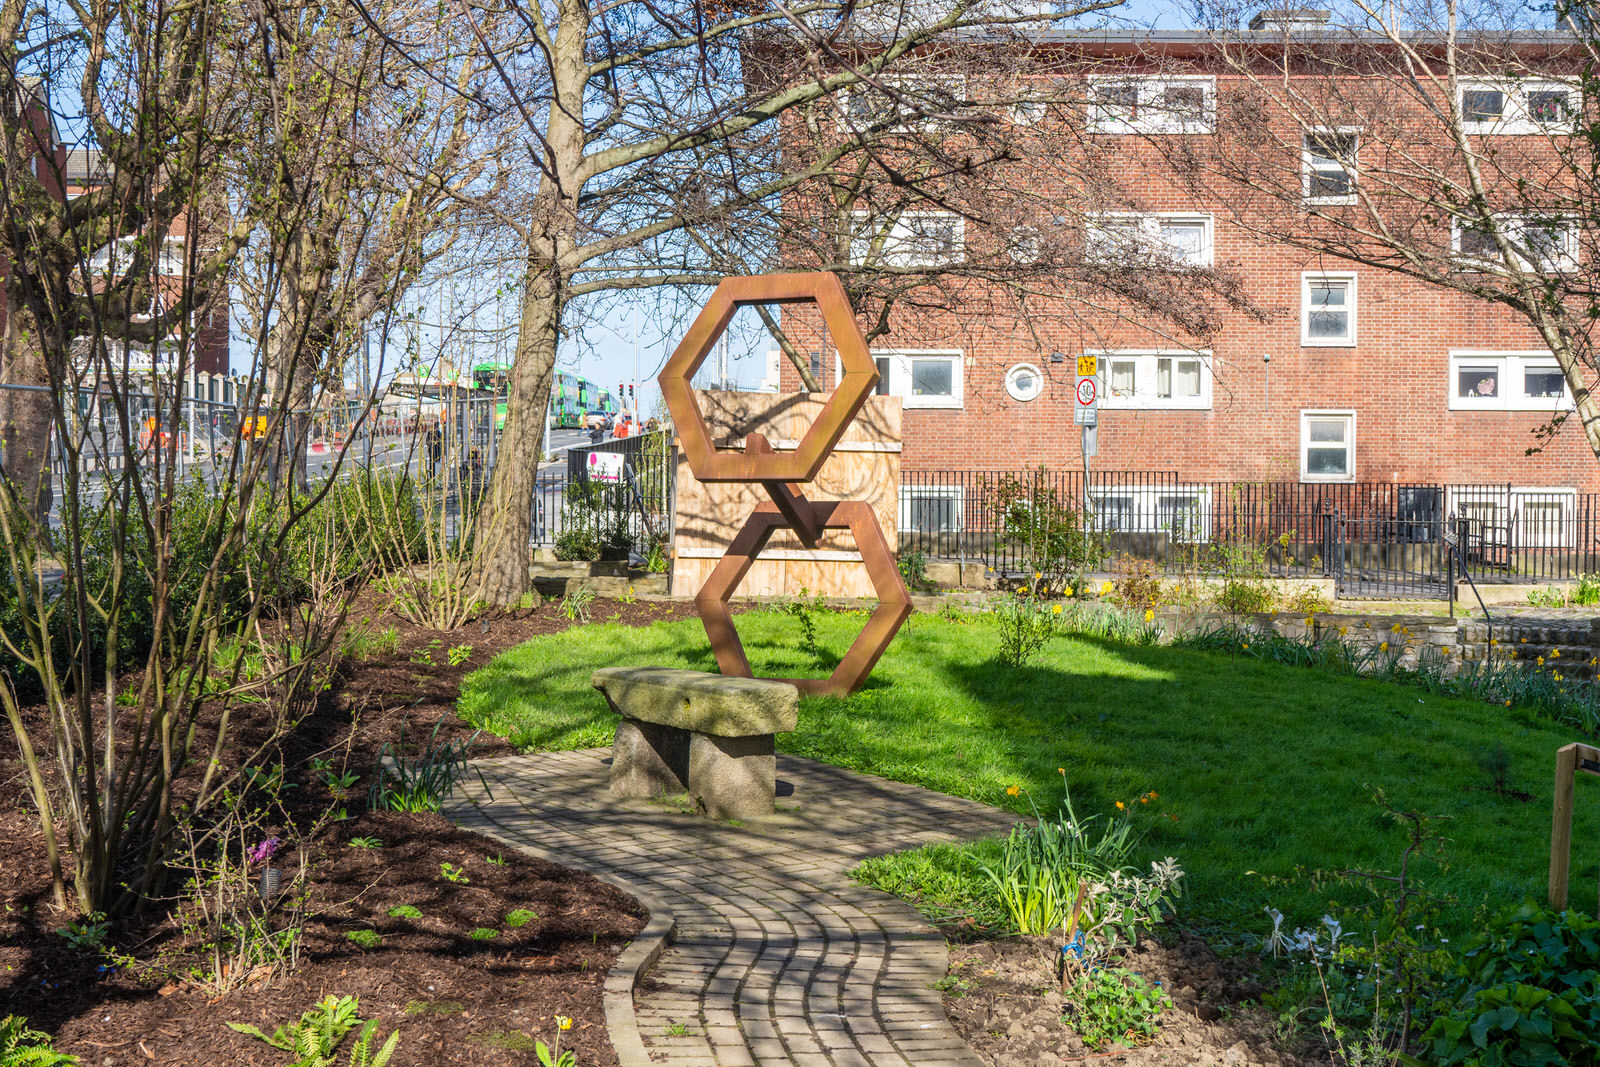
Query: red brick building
x,y
1345,375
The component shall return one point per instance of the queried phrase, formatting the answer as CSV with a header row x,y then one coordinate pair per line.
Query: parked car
x,y
598,418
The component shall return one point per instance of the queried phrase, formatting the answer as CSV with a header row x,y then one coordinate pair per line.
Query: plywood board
x,y
865,467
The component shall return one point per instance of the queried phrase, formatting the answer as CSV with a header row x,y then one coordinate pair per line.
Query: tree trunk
x,y
26,416
506,535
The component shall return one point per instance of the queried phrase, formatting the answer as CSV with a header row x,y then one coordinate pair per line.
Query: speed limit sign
x,y
1086,411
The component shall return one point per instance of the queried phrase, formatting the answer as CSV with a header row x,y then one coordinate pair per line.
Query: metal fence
x,y
1374,538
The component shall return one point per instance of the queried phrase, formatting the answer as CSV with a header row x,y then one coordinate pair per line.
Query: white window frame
x,y
1306,416
1353,170
1015,371
1517,117
1148,116
1513,367
1307,280
900,375
1145,374
1098,244
901,256
1490,503
954,493
905,120
1512,224
1143,513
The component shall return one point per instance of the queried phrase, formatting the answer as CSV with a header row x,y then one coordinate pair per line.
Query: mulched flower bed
x,y
454,998
1003,999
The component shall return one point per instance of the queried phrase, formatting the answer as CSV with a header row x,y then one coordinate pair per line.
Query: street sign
x,y
1087,393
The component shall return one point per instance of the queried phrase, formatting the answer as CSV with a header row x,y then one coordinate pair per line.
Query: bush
x,y
578,544
1026,626
1526,992
22,1047
914,569
1137,585
1035,515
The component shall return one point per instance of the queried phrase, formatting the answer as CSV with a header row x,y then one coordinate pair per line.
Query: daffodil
x,y
1012,790
1558,676
1149,615
1555,653
1383,646
1539,660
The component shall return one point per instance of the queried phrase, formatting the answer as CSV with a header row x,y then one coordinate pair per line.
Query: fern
x,y
316,1037
21,1047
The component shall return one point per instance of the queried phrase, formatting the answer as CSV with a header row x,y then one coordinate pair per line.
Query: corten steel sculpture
x,y
782,474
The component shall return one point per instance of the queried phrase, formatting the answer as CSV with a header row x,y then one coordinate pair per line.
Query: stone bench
x,y
705,734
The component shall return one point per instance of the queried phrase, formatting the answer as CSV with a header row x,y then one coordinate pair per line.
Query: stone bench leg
x,y
733,777
649,760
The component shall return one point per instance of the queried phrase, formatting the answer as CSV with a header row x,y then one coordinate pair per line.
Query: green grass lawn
x,y
1267,768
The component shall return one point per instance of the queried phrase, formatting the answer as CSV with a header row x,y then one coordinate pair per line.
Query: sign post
x,y
1087,406
1570,761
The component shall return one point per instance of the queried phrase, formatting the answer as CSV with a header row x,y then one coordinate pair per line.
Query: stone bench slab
x,y
713,704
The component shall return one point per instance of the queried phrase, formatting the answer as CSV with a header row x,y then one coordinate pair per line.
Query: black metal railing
x,y
1377,536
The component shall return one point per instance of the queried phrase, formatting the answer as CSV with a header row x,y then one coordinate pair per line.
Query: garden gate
x,y
1395,556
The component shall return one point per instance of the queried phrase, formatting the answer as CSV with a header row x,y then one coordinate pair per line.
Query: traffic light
x,y
630,392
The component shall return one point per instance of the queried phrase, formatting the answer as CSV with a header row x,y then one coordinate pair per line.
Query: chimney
x,y
1291,20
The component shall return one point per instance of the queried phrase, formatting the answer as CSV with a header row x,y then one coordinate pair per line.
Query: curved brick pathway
x,y
778,958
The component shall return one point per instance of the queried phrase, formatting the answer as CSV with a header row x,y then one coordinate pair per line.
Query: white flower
x,y
1335,931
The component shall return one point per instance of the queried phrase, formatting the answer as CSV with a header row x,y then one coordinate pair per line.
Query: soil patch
x,y
455,998
1004,1000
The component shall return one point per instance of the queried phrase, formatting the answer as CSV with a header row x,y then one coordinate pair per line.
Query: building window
x,y
882,363
1499,107
912,239
1176,237
1024,382
1328,446
931,508
1173,379
1530,516
1540,242
1328,162
1023,245
922,379
1507,381
1182,512
1164,104
906,103
1327,309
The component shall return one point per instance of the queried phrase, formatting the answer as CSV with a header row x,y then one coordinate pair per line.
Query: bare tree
x,y
387,156
638,118
1441,142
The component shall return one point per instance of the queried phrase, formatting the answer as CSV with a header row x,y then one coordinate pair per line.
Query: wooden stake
x,y
1561,825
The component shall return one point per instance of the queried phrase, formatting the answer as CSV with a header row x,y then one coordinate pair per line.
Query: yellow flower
x,y
1539,660
1558,676
1037,575
1308,620
1508,703
564,1022
1149,614
1524,641
1247,644
1395,628
1055,609
1154,795
1383,646
1555,653
1061,770
1144,800
1067,591
1106,588
1120,806
1494,640
1343,630
1012,790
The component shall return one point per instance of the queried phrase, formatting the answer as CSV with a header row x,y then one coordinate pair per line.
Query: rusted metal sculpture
x,y
783,474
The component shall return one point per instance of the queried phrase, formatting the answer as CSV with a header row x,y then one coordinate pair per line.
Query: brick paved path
x,y
778,958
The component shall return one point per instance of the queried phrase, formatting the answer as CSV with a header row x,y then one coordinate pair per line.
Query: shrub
x,y
1587,594
1526,991
1036,516
1308,600
1114,1004
1137,585
578,544
914,569
1026,626
1244,572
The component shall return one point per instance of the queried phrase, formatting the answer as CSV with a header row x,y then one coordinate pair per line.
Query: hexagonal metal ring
x,y
894,602
859,378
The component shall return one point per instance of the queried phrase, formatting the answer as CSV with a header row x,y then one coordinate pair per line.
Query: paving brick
x,y
779,958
